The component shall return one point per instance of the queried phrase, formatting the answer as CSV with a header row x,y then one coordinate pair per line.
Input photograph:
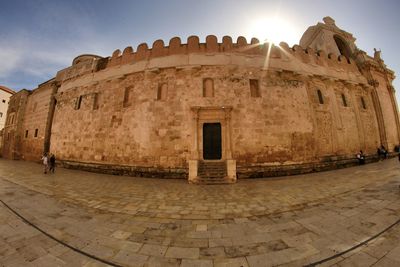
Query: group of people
x,y
382,154
49,162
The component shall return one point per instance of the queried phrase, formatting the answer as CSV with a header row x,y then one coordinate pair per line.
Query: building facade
x,y
5,95
212,111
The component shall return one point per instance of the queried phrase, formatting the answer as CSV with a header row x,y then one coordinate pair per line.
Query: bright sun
x,y
273,29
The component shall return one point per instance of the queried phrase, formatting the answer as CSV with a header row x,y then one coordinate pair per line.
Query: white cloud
x,y
10,59
23,54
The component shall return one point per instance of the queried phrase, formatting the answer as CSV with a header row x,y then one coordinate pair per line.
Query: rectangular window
x,y
363,103
344,100
162,91
26,134
36,132
126,97
320,98
78,102
254,88
95,101
208,87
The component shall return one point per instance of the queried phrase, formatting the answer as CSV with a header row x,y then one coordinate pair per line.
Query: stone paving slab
x,y
22,245
289,221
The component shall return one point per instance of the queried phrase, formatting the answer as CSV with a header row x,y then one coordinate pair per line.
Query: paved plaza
x,y
75,218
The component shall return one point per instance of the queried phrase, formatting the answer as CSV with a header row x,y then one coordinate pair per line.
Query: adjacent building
x,y
5,94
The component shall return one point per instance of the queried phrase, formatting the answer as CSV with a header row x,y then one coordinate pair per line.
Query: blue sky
x,y
38,38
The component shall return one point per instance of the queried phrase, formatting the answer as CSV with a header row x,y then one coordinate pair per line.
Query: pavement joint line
x,y
354,247
58,240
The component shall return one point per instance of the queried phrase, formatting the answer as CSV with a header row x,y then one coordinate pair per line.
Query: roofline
x,y
6,89
43,83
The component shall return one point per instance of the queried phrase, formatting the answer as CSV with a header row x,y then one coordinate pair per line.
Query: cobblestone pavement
x,y
127,221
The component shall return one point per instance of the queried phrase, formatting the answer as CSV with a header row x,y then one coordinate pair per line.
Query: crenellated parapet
x,y
241,46
193,52
193,45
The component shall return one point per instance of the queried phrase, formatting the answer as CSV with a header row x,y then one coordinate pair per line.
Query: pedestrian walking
x,y
52,163
45,160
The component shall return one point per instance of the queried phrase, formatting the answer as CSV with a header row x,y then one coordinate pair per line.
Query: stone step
x,y
213,177
212,180
216,172
210,163
212,169
208,166
206,169
212,173
205,173
218,181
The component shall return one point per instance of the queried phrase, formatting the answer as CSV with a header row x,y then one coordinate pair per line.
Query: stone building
x,y
212,112
5,94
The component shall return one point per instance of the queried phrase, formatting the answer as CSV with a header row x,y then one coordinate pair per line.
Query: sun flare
x,y
273,29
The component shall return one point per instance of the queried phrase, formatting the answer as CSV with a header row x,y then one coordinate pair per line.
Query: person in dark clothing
x,y
397,148
52,163
384,152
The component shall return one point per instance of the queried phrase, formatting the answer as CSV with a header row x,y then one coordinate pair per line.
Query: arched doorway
x,y
344,49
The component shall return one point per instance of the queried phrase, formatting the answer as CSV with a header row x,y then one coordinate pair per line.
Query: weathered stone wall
x,y
384,95
12,129
286,124
274,128
35,120
137,132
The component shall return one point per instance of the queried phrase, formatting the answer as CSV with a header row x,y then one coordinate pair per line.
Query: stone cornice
x,y
292,64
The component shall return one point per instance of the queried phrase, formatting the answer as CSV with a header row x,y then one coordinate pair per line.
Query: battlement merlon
x,y
211,46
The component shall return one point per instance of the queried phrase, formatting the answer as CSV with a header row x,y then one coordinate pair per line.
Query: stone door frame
x,y
201,115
